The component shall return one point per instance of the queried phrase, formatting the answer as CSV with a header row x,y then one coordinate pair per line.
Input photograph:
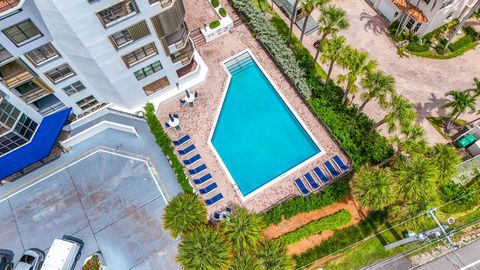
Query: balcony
x,y
8,4
4,54
32,91
163,3
48,104
14,74
178,40
185,55
117,12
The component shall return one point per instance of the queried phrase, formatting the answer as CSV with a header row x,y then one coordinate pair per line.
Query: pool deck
x,y
199,120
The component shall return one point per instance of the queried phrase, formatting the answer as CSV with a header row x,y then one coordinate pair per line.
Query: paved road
x,y
467,257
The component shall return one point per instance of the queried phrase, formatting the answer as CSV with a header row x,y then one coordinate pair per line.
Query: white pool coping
x,y
219,109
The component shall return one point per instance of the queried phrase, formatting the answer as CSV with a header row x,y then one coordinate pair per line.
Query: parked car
x,y
63,254
6,257
31,259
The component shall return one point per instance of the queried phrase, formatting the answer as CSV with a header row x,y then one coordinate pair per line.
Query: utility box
x,y
474,149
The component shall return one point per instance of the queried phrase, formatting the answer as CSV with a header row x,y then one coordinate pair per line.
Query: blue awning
x,y
39,146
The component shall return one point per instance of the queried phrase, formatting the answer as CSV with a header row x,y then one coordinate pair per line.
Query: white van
x,y
63,254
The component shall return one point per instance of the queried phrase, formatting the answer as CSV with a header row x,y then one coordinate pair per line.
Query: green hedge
x,y
331,222
342,239
165,143
462,42
437,32
214,24
215,3
300,204
222,12
417,47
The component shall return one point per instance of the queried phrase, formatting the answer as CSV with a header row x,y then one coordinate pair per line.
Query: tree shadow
x,y
375,23
434,107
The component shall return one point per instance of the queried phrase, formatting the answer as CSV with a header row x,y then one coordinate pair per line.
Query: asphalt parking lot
x,y
112,201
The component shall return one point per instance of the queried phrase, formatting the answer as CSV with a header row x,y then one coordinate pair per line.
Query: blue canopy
x,y
39,146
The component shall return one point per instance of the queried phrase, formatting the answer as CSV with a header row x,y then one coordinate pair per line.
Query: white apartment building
x,y
86,53
423,16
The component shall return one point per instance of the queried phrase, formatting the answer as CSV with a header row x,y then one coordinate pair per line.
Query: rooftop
x,y
416,13
8,4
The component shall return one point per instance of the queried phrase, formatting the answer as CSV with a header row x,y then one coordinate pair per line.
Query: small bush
x,y
462,42
214,24
471,32
222,12
331,222
439,31
417,47
165,144
215,3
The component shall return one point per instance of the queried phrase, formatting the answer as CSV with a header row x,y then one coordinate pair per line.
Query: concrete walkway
x,y
423,81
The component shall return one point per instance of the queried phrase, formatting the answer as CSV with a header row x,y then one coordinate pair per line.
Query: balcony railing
x,y
163,3
185,55
35,95
179,38
53,108
117,12
8,4
15,76
4,55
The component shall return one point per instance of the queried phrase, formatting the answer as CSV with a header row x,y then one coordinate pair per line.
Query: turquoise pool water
x,y
257,136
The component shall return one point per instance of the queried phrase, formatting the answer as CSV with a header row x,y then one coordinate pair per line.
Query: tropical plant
x,y
358,65
461,101
333,49
273,256
445,158
410,140
332,19
400,113
244,230
246,262
416,177
183,213
204,248
374,187
307,7
293,18
379,86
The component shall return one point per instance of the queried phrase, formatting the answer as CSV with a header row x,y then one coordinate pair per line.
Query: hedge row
x,y
342,239
275,44
165,144
297,205
439,31
462,42
417,47
331,222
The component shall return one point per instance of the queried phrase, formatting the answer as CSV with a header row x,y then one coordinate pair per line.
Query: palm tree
x,y
476,89
184,212
460,103
416,177
246,262
292,19
204,248
400,114
244,230
307,8
446,159
331,20
273,255
374,188
410,140
379,86
333,49
358,65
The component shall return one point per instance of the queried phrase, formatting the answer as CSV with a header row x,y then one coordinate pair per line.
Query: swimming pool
x,y
257,137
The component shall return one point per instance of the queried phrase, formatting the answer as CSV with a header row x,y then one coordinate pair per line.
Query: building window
x,y
74,88
60,73
148,70
450,15
446,3
417,27
116,12
25,127
42,54
22,33
4,54
132,33
8,116
139,55
87,103
156,86
410,23
426,1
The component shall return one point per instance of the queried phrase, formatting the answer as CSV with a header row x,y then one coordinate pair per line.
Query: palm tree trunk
x,y
379,123
330,68
360,109
387,160
292,19
400,23
322,39
317,53
304,26
272,5
452,120
264,6
345,95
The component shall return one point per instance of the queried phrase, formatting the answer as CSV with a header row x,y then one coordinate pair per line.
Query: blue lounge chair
x,y
175,115
329,166
301,187
202,179
320,175
167,125
208,188
190,161
338,160
216,215
187,150
198,169
215,199
229,210
311,182
181,141
182,102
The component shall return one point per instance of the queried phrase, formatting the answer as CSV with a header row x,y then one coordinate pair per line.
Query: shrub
x,y
417,47
462,42
297,205
342,239
439,31
165,144
222,12
331,222
214,24
215,3
92,264
471,32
